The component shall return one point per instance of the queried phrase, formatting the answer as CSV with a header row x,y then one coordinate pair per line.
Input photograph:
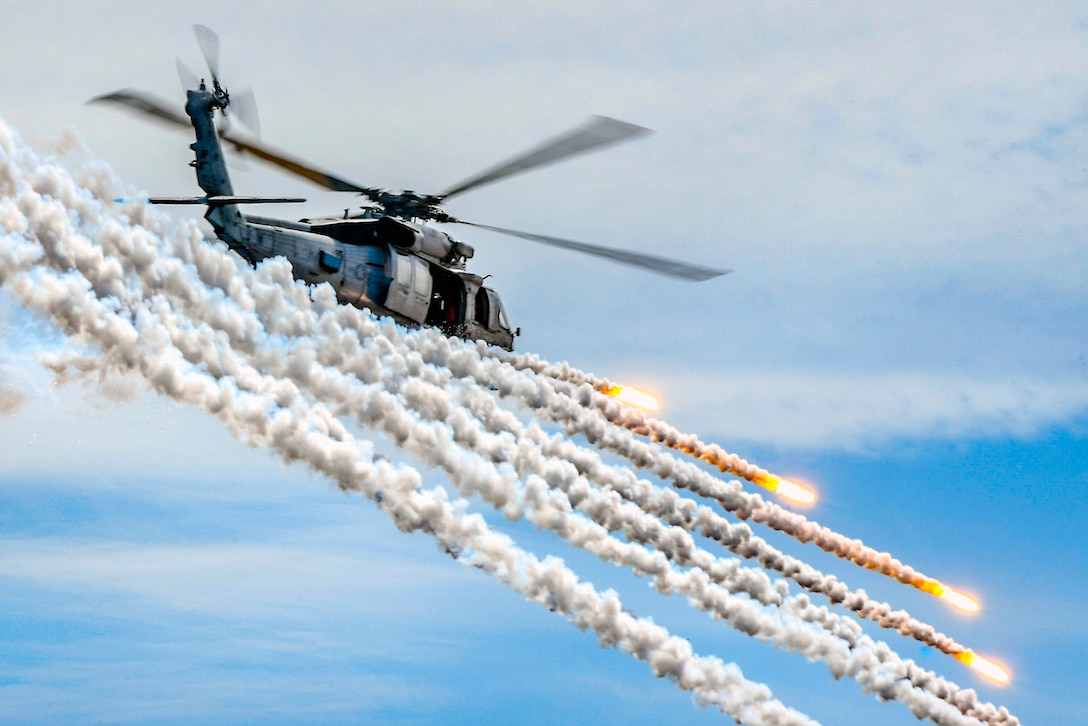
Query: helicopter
x,y
385,257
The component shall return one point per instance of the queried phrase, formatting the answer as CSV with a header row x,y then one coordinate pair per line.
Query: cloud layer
x,y
864,411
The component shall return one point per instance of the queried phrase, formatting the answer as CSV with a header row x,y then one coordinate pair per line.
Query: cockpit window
x,y
497,319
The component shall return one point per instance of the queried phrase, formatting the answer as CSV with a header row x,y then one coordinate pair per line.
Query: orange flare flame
x,y
791,490
985,666
960,600
952,597
633,397
795,492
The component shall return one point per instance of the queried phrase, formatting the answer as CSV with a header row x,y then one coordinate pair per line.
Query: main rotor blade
x,y
299,168
658,265
146,104
160,110
209,46
599,132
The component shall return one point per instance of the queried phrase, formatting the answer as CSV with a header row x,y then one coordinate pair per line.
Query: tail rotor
x,y
242,104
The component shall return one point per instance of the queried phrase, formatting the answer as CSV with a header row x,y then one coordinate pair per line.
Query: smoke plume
x,y
287,368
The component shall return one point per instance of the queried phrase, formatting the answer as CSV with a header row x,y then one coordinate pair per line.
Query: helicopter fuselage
x,y
411,272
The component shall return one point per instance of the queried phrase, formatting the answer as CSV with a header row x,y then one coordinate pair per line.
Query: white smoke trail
x,y
966,702
682,513
203,346
428,445
13,381
131,335
343,395
669,505
585,389
279,294
10,398
685,475
427,448
762,511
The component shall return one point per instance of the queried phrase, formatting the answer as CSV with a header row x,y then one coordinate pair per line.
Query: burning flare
x,y
953,597
791,490
985,666
633,397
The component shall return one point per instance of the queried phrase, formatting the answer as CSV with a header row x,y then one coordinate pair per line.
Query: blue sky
x,y
901,193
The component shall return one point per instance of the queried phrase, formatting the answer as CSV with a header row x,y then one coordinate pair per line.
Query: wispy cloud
x,y
856,411
212,681
231,580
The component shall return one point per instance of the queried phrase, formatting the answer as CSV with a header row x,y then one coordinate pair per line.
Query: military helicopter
x,y
385,258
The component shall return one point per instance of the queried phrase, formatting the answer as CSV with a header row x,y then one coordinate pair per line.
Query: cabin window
x,y
404,271
422,282
483,311
329,262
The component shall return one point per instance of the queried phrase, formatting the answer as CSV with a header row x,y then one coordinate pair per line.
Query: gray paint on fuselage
x,y
387,265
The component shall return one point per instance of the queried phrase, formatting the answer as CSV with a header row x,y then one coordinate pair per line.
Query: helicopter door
x,y
447,302
410,291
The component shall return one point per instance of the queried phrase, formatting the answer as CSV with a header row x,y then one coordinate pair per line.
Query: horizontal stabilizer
x,y
219,201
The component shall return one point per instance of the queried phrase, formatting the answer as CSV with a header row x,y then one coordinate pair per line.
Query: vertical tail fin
x,y
211,167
